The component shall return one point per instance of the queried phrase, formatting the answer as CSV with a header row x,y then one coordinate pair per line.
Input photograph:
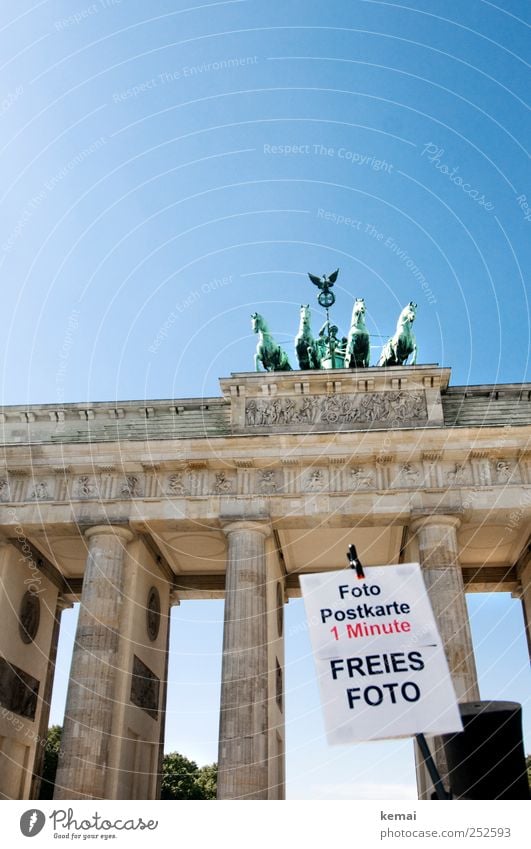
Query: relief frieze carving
x,y
504,471
175,484
267,483
222,484
362,478
459,475
371,408
40,491
86,487
131,487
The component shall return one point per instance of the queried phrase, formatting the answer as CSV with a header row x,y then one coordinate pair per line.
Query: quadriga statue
x,y
358,352
271,355
396,351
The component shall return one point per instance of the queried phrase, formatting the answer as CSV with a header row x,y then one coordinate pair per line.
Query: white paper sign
x,y
380,661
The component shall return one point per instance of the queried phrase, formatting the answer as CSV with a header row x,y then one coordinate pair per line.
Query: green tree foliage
x,y
207,778
528,765
183,779
51,759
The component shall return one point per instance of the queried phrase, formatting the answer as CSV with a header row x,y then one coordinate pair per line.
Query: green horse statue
x,y
305,347
396,351
358,351
271,355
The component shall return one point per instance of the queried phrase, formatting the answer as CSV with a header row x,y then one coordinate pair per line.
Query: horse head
x,y
358,311
305,313
257,322
408,314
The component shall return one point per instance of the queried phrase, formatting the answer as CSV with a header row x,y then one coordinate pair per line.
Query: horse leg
x,y
256,361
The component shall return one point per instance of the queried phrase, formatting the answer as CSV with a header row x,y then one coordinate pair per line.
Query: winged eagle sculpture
x,y
326,298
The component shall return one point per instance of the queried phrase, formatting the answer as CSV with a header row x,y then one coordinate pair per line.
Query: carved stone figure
x,y
267,481
223,484
271,355
361,478
358,352
40,491
503,471
396,351
316,479
409,474
175,484
85,487
131,487
458,475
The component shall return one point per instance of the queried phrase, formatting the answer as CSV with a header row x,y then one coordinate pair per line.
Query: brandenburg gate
x,y
130,508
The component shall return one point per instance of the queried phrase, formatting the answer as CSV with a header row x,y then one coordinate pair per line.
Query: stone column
x,y
244,731
437,538
90,700
439,558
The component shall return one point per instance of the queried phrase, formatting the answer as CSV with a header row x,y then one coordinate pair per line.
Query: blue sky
x,y
169,167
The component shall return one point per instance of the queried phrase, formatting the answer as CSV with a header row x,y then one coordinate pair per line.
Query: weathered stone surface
x,y
91,693
243,738
439,558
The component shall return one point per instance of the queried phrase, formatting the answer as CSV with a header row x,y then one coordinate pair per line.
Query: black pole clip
x,y
354,561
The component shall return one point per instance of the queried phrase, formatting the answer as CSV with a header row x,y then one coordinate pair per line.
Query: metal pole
x,y
431,767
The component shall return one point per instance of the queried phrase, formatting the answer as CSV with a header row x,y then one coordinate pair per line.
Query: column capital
x,y
231,527
119,531
174,597
434,520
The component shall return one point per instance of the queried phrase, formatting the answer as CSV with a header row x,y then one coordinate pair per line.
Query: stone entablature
x,y
293,474
288,402
336,399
